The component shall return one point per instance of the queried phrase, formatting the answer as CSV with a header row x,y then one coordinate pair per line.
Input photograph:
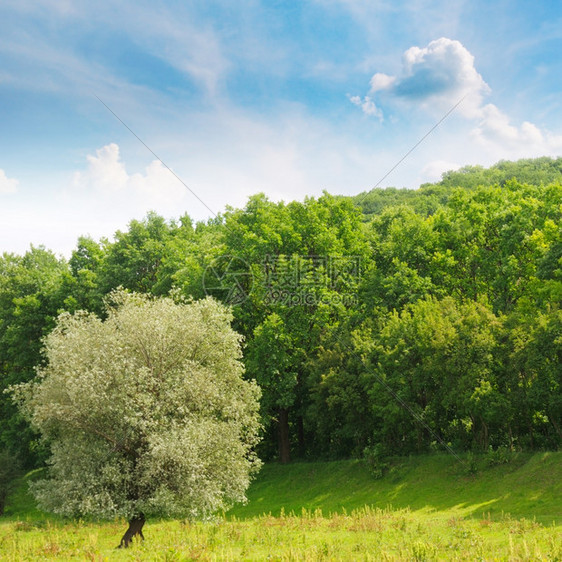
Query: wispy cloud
x,y
62,63
420,17
191,46
367,105
7,185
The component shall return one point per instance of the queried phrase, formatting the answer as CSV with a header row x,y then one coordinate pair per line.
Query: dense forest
x,y
393,322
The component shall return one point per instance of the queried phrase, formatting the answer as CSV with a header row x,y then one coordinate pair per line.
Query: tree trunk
x,y
135,528
3,496
556,426
299,420
300,436
485,436
284,444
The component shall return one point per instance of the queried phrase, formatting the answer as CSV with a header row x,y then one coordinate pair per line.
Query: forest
x,y
392,322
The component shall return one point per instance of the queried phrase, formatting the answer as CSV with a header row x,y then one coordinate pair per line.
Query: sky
x,y
112,109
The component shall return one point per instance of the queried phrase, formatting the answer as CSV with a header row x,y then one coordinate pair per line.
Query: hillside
x,y
529,486
424,508
430,196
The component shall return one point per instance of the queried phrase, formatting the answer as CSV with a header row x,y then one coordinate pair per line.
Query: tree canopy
x,y
447,297
146,411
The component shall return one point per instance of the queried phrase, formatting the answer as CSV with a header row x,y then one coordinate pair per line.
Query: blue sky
x,y
288,98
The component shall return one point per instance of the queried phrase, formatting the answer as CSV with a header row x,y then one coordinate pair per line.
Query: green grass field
x,y
424,508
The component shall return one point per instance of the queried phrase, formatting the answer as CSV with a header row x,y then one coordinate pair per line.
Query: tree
x,y
134,259
30,298
433,373
275,365
305,262
146,412
534,171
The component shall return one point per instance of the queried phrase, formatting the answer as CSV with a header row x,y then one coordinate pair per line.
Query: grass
x,y
424,508
530,485
365,534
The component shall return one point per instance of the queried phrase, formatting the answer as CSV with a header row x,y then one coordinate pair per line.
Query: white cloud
x,y
97,201
438,76
381,81
441,73
106,175
367,105
105,171
7,185
496,133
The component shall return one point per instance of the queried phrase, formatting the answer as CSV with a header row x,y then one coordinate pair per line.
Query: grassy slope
x,y
441,519
530,486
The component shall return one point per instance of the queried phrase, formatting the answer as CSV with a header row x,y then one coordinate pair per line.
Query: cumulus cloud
x,y
496,133
381,81
438,76
105,171
7,185
107,176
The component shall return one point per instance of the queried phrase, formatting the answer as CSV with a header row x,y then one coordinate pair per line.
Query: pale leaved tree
x,y
146,412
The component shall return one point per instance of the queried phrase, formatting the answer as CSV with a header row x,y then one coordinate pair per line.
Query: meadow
x,y
422,508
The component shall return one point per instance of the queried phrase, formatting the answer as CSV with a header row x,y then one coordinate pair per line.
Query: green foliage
x,y
340,410
135,259
431,375
424,201
447,333
274,363
536,171
295,301
499,456
535,378
31,295
146,412
376,460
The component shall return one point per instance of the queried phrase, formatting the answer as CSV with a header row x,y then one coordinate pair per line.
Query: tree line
x,y
398,320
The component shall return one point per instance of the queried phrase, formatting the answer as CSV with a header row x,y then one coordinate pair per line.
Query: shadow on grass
x,y
21,504
530,485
